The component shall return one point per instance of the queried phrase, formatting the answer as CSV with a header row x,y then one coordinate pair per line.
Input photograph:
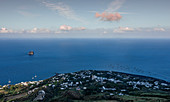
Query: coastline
x,y
135,75
106,83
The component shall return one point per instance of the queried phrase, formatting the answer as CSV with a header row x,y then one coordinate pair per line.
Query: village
x,y
85,83
107,81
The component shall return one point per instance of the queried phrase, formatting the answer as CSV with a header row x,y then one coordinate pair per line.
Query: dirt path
x,y
16,96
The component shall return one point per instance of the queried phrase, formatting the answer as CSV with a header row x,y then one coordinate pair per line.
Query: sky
x,y
86,18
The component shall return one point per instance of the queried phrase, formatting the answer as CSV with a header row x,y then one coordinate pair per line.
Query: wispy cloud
x,y
115,5
92,11
125,13
27,14
63,10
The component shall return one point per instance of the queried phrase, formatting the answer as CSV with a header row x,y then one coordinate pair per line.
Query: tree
x,y
12,87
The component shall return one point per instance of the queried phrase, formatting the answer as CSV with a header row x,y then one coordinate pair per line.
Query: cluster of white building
x,y
88,76
32,83
83,79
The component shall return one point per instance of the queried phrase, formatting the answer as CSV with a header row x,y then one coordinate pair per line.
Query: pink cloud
x,y
65,27
105,16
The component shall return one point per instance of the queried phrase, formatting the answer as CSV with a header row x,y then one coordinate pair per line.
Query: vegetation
x,y
87,86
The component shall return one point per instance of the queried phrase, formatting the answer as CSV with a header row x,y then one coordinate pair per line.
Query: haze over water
x,y
148,57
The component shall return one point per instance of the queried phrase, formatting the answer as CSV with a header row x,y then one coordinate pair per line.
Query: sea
x,y
148,57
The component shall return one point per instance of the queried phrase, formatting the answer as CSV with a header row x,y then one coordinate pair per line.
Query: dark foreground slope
x,y
89,85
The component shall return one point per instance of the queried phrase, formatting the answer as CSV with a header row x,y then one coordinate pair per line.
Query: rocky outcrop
x,y
31,53
40,96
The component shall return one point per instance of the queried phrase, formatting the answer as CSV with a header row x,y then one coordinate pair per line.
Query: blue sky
x,y
136,15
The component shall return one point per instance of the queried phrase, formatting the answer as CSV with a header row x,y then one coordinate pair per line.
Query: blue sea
x,y
149,57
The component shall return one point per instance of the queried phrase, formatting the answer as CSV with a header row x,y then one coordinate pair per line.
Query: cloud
x,y
39,30
63,10
5,30
79,28
104,32
123,29
115,5
108,16
69,28
92,11
159,29
127,29
125,13
36,30
27,14
65,28
78,32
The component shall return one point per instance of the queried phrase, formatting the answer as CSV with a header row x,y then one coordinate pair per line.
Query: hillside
x,y
89,85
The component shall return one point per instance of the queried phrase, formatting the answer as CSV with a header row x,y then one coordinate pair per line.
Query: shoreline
x,y
137,75
85,84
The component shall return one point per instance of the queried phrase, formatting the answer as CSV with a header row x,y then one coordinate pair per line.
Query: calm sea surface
x,y
145,57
